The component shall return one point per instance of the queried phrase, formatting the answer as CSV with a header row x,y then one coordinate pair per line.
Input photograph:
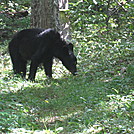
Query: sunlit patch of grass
x,y
74,104
59,71
25,131
87,103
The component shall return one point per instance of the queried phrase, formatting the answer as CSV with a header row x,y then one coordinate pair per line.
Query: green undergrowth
x,y
82,104
99,100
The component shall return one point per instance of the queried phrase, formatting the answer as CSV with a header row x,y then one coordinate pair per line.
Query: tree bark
x,y
45,14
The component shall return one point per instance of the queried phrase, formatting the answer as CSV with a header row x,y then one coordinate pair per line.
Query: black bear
x,y
40,46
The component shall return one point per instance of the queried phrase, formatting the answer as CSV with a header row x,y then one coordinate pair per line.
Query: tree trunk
x,y
45,14
64,20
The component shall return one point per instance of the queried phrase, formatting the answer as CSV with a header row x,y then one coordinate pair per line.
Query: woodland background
x,y
97,101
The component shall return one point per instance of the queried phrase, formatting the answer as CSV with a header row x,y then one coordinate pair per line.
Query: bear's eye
x,y
75,62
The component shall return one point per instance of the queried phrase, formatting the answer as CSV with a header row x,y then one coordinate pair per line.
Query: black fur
x,y
40,46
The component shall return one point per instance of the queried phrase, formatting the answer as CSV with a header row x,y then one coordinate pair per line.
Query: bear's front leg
x,y
33,68
48,67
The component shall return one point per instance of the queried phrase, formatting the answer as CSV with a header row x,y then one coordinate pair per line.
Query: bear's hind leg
x,y
19,66
22,70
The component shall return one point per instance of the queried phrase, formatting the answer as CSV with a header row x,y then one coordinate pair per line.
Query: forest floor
x,y
87,103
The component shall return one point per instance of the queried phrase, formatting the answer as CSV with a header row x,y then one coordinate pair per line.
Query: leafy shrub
x,y
103,33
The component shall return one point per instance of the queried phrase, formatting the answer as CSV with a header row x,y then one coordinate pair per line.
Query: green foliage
x,y
103,34
11,18
77,104
97,101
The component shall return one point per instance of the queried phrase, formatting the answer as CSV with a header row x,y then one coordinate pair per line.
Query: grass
x,y
87,103
97,101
